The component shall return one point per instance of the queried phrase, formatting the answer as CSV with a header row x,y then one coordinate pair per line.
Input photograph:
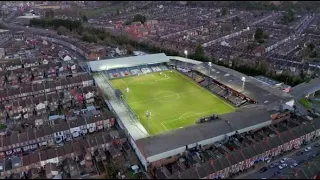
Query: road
x,y
293,157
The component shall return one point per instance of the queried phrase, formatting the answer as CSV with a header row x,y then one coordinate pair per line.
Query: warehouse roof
x,y
124,62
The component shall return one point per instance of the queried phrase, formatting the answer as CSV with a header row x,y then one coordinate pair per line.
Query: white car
x,y
307,149
284,165
294,165
283,160
267,160
280,167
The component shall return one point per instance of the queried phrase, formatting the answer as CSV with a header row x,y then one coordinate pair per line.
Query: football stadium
x,y
168,105
174,101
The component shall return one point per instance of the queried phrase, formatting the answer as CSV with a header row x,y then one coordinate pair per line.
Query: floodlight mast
x,y
148,114
186,53
243,79
210,64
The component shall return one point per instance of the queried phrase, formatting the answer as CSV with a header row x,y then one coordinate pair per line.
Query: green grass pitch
x,y
174,100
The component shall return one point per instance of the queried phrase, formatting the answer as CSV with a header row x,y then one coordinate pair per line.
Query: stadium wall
x,y
139,154
160,159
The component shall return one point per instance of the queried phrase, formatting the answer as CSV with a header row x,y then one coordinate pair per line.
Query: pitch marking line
x,y
152,99
137,80
164,126
194,114
124,82
202,88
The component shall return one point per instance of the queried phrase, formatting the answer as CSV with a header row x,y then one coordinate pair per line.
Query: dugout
x,y
118,93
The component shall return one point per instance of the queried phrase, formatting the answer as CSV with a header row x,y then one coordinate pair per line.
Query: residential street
x,y
293,157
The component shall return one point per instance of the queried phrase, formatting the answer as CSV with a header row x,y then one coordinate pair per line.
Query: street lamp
x,y
186,53
148,114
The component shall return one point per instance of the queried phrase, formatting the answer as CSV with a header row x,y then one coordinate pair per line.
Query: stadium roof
x,y
253,88
305,88
244,117
191,61
108,64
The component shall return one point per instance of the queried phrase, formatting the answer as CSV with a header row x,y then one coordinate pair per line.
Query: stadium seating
x,y
134,71
146,70
155,68
124,72
163,67
113,73
204,83
198,78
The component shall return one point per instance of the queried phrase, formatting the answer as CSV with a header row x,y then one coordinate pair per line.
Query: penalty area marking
x,y
152,99
177,119
202,88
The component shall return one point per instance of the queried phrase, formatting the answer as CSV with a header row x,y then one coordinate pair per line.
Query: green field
x,y
175,101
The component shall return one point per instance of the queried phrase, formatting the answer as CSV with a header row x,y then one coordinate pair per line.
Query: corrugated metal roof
x,y
128,62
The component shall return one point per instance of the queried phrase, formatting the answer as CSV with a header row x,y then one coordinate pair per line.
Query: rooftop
x,y
253,88
228,123
127,62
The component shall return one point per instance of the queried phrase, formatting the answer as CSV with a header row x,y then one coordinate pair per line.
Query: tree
x,y
224,11
130,49
259,34
139,17
311,46
262,67
199,53
62,30
49,14
288,16
84,18
2,26
86,36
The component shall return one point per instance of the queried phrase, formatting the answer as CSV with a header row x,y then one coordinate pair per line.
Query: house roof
x,y
115,63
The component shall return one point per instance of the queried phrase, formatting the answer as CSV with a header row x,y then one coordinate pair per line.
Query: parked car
x,y
294,165
264,169
283,160
272,165
299,153
267,160
307,149
277,173
282,166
